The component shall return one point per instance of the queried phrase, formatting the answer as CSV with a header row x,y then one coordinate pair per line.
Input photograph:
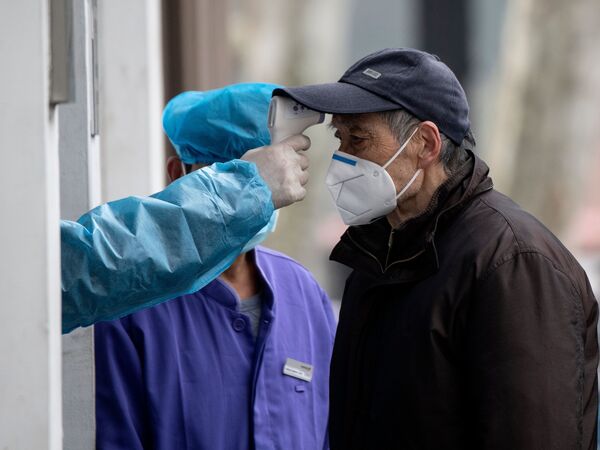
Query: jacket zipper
x,y
366,252
390,243
377,260
407,259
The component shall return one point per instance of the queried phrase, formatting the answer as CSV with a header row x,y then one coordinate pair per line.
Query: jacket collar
x,y
409,253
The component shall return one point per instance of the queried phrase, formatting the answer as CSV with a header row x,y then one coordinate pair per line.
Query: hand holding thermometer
x,y
287,118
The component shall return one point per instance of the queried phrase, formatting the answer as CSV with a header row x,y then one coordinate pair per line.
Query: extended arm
x,y
136,252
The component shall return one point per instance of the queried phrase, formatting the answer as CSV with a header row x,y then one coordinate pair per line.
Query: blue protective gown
x,y
137,252
187,374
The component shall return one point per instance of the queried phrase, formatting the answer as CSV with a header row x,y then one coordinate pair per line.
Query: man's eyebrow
x,y
355,127
352,124
346,122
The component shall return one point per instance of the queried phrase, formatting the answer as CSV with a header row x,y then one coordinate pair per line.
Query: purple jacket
x,y
187,374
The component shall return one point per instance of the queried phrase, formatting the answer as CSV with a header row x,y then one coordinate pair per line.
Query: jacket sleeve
x,y
529,380
137,252
121,410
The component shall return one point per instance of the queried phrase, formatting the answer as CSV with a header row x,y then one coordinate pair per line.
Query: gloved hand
x,y
284,167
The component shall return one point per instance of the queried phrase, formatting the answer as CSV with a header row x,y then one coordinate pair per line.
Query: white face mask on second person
x,y
363,190
263,233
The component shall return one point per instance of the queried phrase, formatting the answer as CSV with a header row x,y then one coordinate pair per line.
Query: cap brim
x,y
337,98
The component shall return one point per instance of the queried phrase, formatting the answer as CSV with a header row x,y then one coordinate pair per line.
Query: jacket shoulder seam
x,y
506,219
525,251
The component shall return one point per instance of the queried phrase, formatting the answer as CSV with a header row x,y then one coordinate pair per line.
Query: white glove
x,y
284,167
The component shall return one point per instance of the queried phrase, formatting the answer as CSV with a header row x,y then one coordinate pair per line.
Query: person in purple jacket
x,y
242,363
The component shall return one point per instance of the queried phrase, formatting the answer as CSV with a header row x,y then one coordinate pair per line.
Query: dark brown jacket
x,y
471,327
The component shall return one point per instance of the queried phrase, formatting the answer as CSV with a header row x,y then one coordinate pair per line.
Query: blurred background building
x,y
530,69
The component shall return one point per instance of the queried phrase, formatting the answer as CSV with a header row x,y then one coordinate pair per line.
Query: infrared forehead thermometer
x,y
287,117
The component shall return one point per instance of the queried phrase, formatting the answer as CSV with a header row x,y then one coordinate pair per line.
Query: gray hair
x,y
402,123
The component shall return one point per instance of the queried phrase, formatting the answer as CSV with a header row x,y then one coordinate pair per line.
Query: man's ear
x,y
432,144
174,168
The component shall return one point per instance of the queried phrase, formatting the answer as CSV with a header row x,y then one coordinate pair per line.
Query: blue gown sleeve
x,y
139,251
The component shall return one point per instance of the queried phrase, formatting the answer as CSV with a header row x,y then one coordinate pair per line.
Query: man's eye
x,y
357,139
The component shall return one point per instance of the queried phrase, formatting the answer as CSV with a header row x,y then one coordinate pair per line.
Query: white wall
x,y
79,192
131,97
30,392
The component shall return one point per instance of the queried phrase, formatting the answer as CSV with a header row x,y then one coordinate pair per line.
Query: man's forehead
x,y
366,121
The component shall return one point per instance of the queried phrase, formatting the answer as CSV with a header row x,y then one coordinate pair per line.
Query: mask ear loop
x,y
405,188
400,150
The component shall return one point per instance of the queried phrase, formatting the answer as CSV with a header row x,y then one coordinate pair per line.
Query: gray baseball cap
x,y
396,78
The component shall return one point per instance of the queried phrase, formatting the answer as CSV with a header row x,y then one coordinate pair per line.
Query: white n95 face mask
x,y
363,190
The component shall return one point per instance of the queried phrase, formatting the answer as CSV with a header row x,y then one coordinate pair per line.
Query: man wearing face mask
x,y
465,323
241,363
